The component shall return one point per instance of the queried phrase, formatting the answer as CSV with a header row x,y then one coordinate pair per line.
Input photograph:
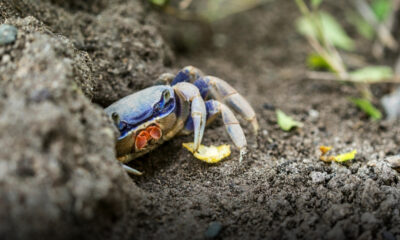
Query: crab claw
x,y
141,139
154,132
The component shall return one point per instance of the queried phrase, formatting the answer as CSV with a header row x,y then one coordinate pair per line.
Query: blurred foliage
x,y
362,27
381,8
372,74
159,2
316,3
325,34
317,62
366,106
206,10
332,31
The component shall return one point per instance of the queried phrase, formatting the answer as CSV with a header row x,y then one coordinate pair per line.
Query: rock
x,y
391,104
318,177
214,228
394,161
8,34
388,235
313,114
59,175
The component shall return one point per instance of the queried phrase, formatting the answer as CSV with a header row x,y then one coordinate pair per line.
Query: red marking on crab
x,y
152,132
141,139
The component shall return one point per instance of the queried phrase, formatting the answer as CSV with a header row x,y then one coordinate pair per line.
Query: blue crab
x,y
149,117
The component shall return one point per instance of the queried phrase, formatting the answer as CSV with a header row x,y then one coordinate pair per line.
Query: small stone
x,y
318,177
368,218
269,106
314,114
388,235
214,228
394,161
391,104
8,34
6,58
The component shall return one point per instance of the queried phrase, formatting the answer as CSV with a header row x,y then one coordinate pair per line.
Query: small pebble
x,y
391,104
214,228
318,177
8,34
268,106
394,161
6,58
265,132
388,235
314,114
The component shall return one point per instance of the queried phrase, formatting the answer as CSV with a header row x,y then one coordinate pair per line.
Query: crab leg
x,y
224,92
187,74
131,170
198,109
232,126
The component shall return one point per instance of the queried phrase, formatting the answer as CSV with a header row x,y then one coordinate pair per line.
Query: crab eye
x,y
166,95
115,117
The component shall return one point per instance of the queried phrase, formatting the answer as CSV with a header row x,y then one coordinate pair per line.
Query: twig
x,y
333,77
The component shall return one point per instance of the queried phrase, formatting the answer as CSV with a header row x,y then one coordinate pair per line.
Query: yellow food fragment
x,y
325,149
346,156
338,158
211,154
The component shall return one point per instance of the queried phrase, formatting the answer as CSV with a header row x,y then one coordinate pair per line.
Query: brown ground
x,y
280,191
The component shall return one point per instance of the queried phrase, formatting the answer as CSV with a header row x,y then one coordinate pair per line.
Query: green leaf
x,y
317,62
381,8
367,107
316,3
363,28
158,2
330,28
372,74
285,122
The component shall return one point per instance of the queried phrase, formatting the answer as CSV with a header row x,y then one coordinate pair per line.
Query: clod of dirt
x,y
127,50
59,178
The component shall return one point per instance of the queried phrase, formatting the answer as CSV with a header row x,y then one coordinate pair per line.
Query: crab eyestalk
x,y
115,118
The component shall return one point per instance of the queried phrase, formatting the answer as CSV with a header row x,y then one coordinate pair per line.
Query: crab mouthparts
x,y
151,132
